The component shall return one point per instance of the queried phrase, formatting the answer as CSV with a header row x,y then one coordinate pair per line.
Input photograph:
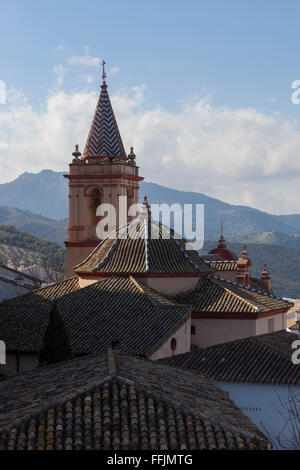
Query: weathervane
x,y
103,70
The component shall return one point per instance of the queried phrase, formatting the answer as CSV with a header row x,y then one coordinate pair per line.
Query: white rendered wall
x,y
217,331
263,404
170,285
279,324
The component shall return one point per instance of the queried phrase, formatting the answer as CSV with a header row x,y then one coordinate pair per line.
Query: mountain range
x,y
43,199
36,204
37,225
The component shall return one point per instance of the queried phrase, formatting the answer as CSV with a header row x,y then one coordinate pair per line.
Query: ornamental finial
x,y
76,153
131,157
245,252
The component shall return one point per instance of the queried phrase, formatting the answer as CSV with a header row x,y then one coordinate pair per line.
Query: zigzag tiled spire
x,y
104,137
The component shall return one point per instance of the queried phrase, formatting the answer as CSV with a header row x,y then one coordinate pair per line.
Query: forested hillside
x,y
22,247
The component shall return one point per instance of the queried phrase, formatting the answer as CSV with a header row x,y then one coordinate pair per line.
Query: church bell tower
x,y
102,174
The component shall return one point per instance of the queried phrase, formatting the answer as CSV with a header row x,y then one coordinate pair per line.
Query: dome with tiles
x,y
143,246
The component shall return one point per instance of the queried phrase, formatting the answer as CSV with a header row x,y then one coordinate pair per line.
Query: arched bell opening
x,y
95,201
93,197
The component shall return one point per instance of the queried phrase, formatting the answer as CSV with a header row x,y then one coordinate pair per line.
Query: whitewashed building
x,y
260,377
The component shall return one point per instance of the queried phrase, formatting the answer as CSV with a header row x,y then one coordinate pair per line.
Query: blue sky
x,y
245,52
215,76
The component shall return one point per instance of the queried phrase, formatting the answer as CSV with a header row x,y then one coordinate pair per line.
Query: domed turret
x,y
143,246
222,249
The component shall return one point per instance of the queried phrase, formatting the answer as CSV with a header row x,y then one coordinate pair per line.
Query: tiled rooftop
x,y
264,359
114,309
217,295
117,402
221,265
143,247
48,293
224,265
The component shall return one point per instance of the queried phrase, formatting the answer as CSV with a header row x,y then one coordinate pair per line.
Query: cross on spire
x,y
103,71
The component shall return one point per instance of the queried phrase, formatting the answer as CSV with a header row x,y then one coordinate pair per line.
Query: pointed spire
x,y
104,137
222,241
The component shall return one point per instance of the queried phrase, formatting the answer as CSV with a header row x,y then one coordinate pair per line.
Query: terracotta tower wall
x,y
100,176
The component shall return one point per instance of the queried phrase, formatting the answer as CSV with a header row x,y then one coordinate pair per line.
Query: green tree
x,y
56,345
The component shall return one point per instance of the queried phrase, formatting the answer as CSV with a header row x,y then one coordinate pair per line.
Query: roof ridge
x,y
100,244
108,254
113,247
37,290
222,261
142,253
249,338
147,250
268,345
185,254
249,288
247,302
142,288
173,400
53,402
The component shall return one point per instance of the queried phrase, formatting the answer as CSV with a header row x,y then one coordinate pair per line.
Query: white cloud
x,y
31,140
114,70
85,60
239,155
89,79
60,71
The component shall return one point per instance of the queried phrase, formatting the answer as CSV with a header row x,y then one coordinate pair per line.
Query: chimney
x,y
266,279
